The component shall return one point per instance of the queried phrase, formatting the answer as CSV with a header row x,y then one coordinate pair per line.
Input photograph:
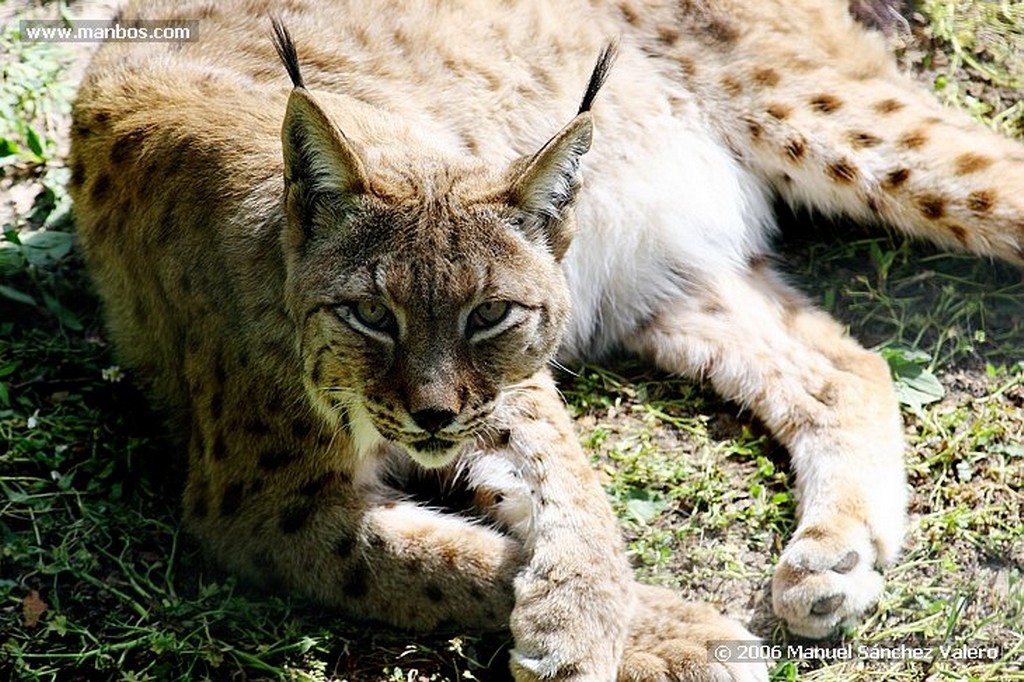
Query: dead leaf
x,y
33,607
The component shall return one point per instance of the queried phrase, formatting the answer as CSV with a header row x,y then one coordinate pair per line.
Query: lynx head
x,y
423,288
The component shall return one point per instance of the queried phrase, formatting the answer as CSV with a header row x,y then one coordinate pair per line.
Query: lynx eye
x,y
374,315
487,315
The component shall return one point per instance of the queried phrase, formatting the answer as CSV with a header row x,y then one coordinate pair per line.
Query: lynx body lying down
x,y
345,289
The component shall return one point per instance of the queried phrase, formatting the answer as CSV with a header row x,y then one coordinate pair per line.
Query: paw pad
x,y
848,562
826,579
827,605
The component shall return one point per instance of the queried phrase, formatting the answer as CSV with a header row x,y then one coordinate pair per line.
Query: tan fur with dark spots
x,y
851,101
333,283
242,300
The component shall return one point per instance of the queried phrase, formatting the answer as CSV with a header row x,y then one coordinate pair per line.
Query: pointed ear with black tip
x,y
316,154
319,161
545,185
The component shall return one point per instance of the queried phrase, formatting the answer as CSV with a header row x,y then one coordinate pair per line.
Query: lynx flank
x,y
344,287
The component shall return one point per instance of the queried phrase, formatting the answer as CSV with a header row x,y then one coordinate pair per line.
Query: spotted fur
x,y
342,278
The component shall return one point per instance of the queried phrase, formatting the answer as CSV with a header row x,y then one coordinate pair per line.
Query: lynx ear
x,y
544,186
319,160
317,154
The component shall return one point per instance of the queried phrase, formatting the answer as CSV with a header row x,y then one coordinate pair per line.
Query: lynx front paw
x,y
570,622
670,638
826,578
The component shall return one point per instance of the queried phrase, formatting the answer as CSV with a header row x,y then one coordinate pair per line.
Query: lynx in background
x,y
344,290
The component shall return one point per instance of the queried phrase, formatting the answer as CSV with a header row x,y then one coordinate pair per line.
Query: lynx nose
x,y
431,420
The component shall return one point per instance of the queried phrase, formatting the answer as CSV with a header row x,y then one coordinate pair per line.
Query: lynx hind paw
x,y
670,642
684,661
826,579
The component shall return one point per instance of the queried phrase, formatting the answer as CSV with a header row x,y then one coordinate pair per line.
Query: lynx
x,y
343,279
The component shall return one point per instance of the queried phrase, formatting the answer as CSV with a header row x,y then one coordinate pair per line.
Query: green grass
x,y
981,42
98,581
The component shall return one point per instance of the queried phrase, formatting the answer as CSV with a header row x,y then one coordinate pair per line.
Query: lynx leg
x,y
831,403
574,598
579,615
669,640
357,549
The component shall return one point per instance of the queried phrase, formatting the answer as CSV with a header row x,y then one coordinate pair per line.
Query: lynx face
x,y
420,348
422,288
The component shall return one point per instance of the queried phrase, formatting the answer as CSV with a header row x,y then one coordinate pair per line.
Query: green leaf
x,y
915,385
65,316
45,246
12,260
13,294
34,142
8,147
643,506
918,388
1010,449
900,353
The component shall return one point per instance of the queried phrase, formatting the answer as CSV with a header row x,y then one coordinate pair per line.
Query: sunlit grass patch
x,y
979,40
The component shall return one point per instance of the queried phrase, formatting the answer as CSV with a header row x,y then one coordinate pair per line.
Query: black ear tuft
x,y
605,60
286,51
